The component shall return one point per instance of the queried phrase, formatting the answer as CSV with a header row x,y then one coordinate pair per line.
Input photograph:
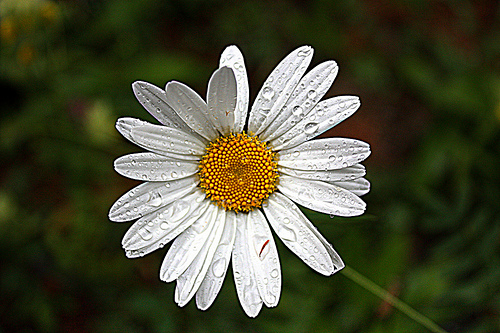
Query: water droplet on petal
x,y
297,111
219,267
287,234
268,93
311,128
304,53
155,200
311,94
145,234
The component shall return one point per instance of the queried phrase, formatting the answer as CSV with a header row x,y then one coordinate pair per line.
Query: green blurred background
x,y
427,72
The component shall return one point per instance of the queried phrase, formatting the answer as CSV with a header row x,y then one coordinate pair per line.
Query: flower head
x,y
216,184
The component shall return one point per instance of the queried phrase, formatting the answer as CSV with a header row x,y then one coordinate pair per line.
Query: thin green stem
x,y
369,285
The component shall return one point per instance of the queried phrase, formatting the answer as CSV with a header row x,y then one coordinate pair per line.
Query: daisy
x,y
217,185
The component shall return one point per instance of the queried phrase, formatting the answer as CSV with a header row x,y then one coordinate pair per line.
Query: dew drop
x,y
145,234
310,128
311,94
287,234
268,93
155,200
297,111
219,267
274,273
304,53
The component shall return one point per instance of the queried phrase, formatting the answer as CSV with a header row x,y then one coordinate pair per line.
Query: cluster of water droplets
x,y
214,277
300,236
154,99
148,197
188,245
335,175
169,140
233,58
325,115
324,154
154,230
303,98
321,196
153,167
277,89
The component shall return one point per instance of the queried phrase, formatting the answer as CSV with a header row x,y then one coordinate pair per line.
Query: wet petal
x,y
221,100
324,116
126,125
149,197
359,186
322,197
243,270
232,58
300,236
311,88
154,100
349,173
214,278
191,108
167,140
264,257
324,154
155,230
277,88
154,167
189,281
188,245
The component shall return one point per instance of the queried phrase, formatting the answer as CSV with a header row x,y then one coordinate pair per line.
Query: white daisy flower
x,y
216,186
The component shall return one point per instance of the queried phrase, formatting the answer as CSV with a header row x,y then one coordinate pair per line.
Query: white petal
x,y
232,58
154,167
191,108
321,196
214,278
186,247
359,186
306,95
264,257
126,125
324,154
189,281
243,270
167,140
221,100
324,116
300,236
154,100
149,197
154,230
349,173
277,88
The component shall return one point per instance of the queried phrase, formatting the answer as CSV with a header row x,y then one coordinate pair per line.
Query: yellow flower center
x,y
238,172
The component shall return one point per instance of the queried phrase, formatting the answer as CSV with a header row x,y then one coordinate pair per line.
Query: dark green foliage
x,y
427,72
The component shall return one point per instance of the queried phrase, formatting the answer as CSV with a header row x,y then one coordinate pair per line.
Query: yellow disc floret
x,y
238,172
